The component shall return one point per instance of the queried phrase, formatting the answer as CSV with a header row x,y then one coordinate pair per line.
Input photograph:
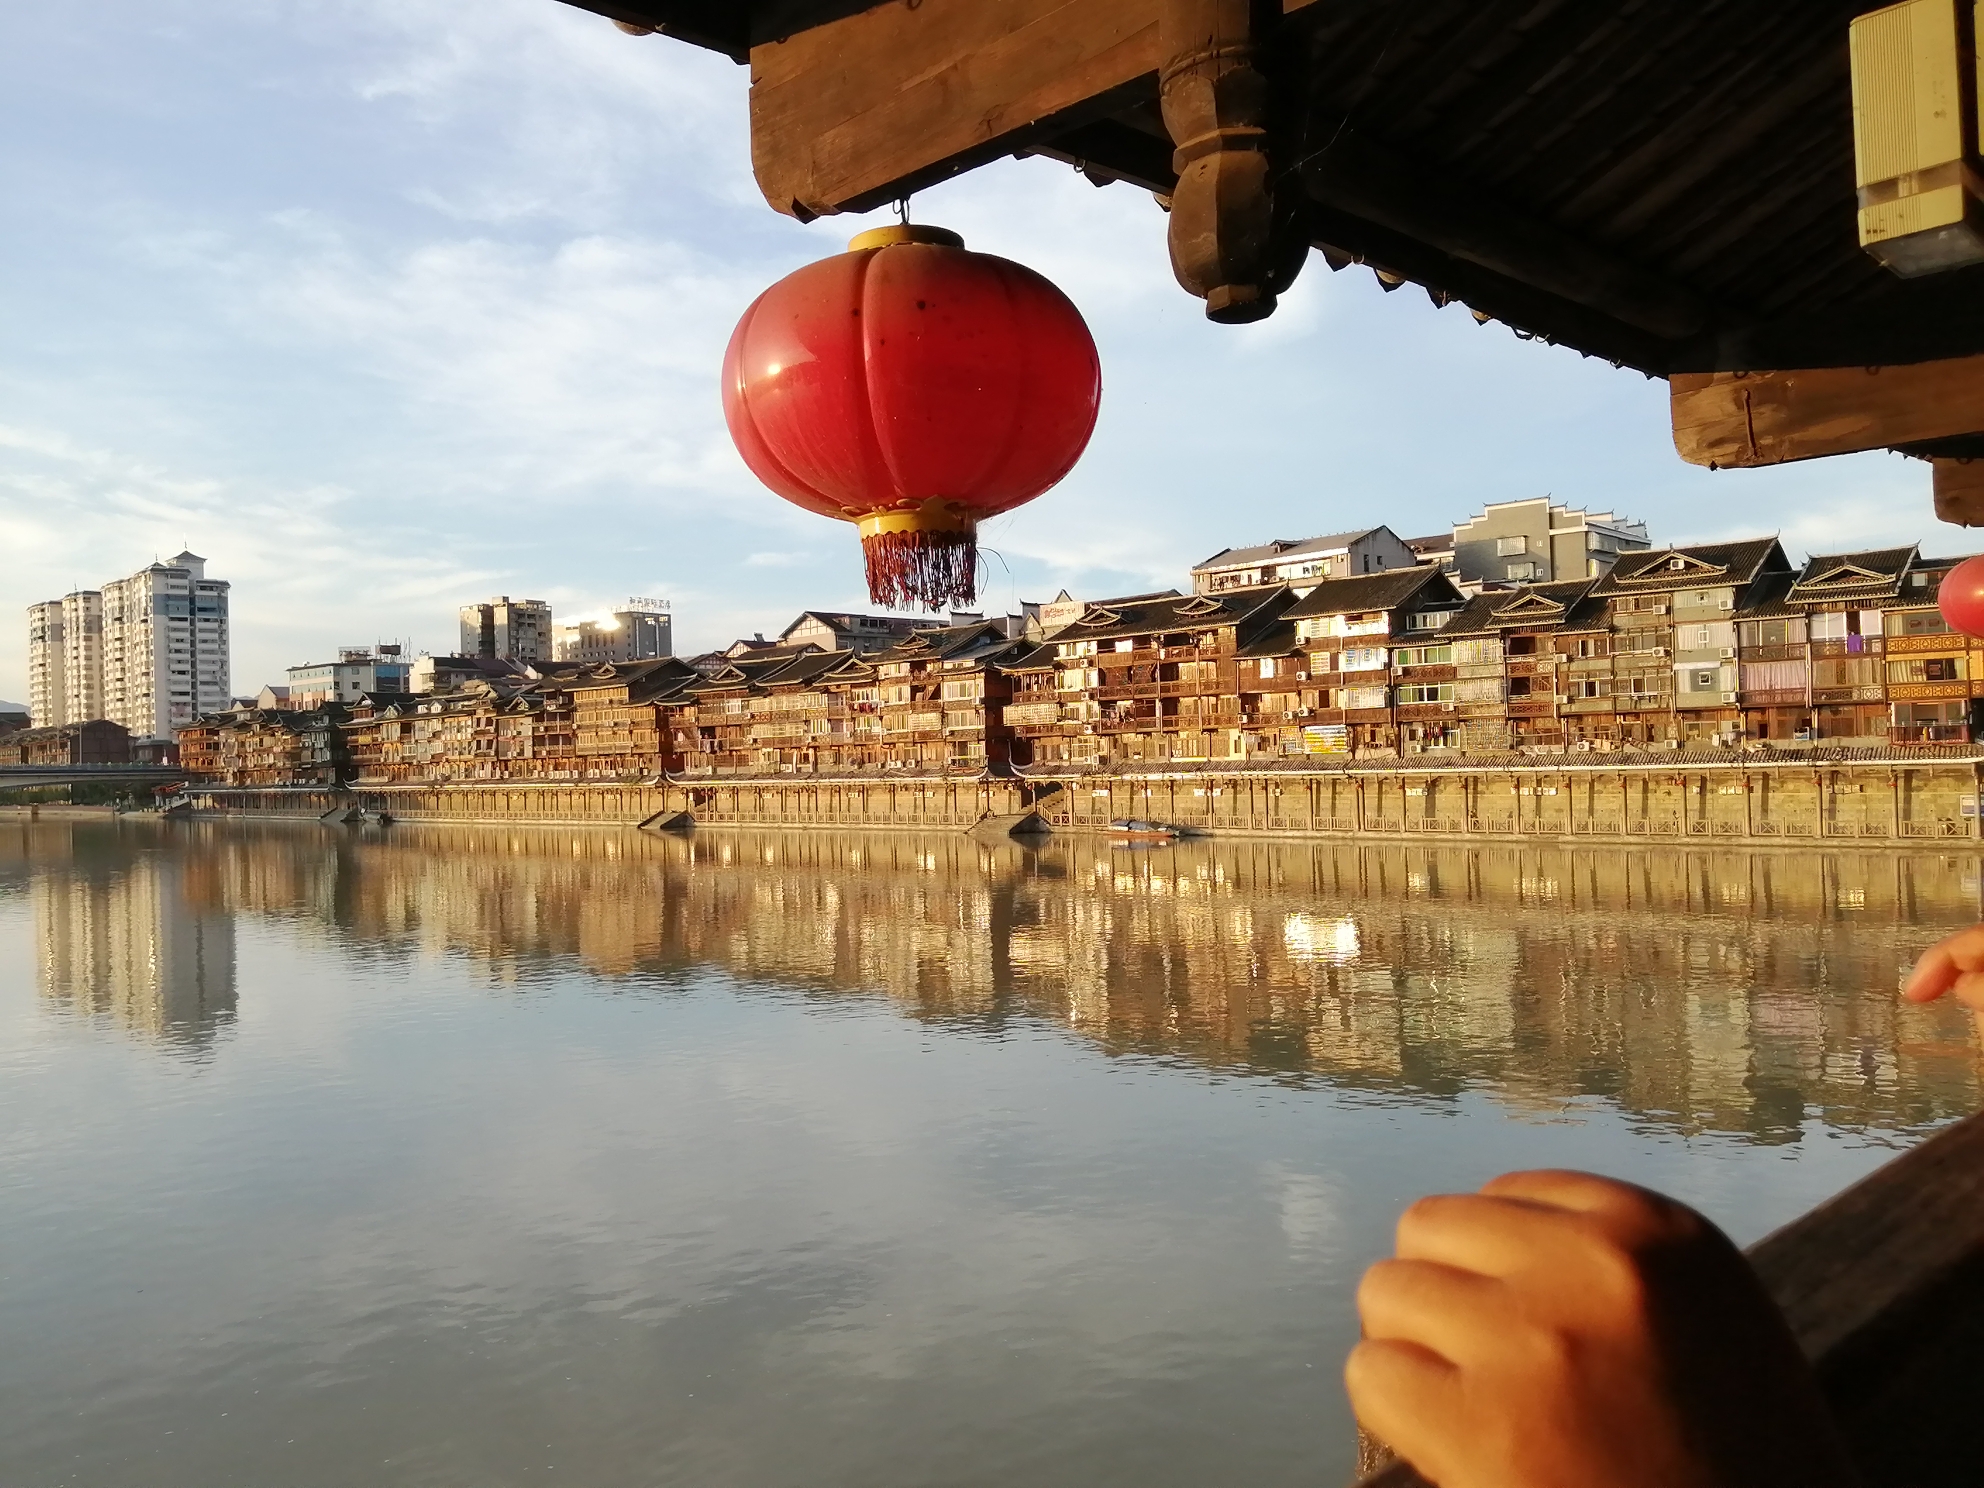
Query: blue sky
x,y
388,305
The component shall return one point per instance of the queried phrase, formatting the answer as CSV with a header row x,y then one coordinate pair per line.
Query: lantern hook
x,y
902,210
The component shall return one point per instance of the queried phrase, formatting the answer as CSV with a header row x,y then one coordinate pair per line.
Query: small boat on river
x,y
1135,829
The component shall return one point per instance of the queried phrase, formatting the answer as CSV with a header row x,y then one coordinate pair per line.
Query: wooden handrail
x,y
1883,1285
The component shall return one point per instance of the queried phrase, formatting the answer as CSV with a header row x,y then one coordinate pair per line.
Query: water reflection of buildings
x,y
1702,992
145,942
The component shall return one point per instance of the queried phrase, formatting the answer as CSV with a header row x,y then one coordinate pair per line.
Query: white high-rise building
x,y
149,652
65,659
48,697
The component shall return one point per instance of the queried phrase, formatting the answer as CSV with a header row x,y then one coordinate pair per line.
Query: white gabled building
x,y
1303,563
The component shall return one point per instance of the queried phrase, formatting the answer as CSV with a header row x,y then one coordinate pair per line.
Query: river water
x,y
477,1156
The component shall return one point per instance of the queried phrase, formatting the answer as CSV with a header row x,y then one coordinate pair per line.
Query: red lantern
x,y
1961,597
913,388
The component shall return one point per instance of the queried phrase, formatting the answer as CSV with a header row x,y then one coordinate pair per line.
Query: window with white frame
x,y
1511,547
1523,571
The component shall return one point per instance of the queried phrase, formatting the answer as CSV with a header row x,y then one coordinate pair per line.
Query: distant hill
x,y
13,707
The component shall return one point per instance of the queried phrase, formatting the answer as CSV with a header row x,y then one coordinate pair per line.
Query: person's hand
x,y
1953,964
1558,1330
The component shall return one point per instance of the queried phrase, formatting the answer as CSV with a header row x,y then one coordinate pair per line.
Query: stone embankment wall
x,y
1746,802
1729,800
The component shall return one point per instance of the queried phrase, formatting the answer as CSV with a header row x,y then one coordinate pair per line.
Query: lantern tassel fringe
x,y
937,570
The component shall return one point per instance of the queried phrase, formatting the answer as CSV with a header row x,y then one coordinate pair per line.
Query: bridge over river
x,y
19,777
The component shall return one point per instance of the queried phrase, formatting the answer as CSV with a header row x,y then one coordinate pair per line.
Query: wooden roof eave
x,y
1667,190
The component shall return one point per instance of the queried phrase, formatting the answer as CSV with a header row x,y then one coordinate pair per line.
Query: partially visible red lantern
x,y
914,388
1961,597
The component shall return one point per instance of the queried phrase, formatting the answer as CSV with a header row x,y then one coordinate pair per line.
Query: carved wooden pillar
x,y
1229,245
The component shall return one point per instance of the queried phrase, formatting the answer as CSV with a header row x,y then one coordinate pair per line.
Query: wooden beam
x,y
849,115
1728,419
1959,488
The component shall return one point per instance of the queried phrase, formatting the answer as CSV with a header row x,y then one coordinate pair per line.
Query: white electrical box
x,y
1915,89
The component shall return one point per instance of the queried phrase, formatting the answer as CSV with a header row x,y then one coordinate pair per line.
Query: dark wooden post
x,y
1224,244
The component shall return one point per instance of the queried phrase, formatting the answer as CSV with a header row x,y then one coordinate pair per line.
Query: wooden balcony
x,y
1948,644
1773,697
1927,691
1116,691
1441,673
1532,707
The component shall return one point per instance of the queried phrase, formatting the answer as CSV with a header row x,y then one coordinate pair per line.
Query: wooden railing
x,y
1883,1286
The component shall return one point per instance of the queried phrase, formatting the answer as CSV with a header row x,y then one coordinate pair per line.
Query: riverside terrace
x,y
1712,647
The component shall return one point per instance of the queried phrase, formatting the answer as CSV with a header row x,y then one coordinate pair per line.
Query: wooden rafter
x,y
1729,419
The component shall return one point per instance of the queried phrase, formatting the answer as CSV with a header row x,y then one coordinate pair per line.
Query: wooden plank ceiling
x,y
1667,184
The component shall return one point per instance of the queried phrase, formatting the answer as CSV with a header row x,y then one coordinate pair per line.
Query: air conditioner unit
x,y
1658,610
1728,653
1729,697
1662,651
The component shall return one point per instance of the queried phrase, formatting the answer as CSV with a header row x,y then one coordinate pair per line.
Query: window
x,y
1702,681
1364,659
1511,547
1917,622
1830,627
1409,656
1940,714
1523,571
1771,633
1591,687
1428,619
1267,667
1927,669
1429,692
